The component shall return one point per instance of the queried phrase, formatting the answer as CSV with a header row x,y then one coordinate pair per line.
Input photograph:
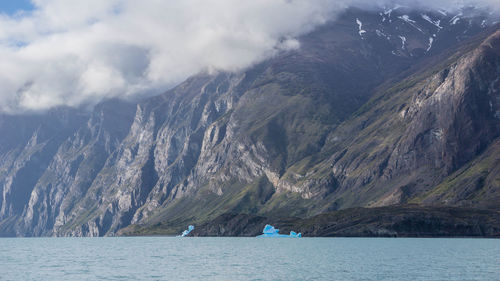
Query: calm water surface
x,y
169,258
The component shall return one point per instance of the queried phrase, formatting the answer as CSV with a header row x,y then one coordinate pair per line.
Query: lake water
x,y
170,258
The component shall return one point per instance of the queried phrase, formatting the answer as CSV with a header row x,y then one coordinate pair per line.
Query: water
x,y
169,258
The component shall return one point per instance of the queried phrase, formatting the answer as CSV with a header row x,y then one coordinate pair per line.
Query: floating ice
x,y
187,231
270,231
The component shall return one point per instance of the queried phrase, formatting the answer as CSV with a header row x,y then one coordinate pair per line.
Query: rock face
x,y
374,109
431,124
55,168
29,143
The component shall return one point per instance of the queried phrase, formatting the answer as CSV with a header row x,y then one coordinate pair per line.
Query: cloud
x,y
73,52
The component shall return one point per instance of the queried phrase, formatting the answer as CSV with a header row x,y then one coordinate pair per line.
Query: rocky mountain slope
x,y
375,108
416,133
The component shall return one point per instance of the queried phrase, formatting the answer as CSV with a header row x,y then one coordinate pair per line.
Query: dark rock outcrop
x,y
394,221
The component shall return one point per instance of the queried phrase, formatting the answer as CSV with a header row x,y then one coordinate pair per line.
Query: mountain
x,y
375,108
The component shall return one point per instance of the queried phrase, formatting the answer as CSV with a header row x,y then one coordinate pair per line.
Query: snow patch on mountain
x,y
388,12
456,18
403,42
382,34
383,17
411,22
431,40
406,18
360,27
442,12
435,23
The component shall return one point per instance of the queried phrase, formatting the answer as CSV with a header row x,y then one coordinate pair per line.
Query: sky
x,y
75,52
12,6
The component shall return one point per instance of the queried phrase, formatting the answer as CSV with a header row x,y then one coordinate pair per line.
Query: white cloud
x,y
70,52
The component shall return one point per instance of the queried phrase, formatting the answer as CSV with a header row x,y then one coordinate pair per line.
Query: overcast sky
x,y
73,52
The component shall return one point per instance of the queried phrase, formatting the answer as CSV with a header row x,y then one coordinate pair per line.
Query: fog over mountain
x,y
71,52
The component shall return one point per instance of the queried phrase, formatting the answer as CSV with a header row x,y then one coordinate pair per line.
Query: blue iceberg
x,y
187,231
270,231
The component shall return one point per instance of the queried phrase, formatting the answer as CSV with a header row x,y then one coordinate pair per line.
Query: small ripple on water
x,y
167,258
